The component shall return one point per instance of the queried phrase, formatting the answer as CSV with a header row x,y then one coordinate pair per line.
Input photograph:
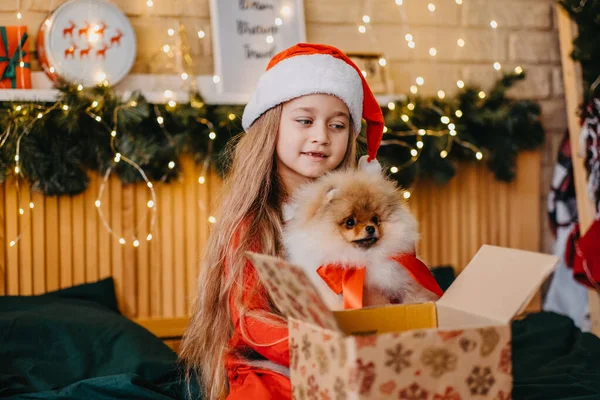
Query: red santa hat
x,y
315,68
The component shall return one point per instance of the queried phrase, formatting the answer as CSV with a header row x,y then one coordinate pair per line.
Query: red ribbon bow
x,y
350,281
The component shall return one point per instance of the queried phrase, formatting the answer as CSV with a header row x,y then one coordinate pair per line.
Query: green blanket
x,y
74,344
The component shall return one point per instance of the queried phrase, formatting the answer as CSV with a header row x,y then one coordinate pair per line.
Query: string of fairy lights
x,y
176,45
450,131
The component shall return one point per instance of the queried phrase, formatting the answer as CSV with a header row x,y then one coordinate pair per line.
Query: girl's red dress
x,y
249,382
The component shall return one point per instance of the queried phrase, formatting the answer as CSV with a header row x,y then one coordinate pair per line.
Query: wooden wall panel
x,y
64,241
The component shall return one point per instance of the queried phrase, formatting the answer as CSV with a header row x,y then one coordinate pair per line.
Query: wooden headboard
x,y
63,241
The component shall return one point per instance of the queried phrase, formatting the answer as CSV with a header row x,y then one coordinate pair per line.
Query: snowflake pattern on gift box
x,y
366,341
413,392
325,395
439,360
362,377
340,389
294,354
322,360
313,388
489,340
398,358
449,394
506,359
467,344
306,346
299,393
480,381
502,395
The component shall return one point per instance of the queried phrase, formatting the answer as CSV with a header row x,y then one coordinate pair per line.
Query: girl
x,y
300,123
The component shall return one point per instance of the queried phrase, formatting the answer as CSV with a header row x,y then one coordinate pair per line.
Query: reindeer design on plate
x,y
85,30
70,51
117,38
69,30
85,52
100,29
102,51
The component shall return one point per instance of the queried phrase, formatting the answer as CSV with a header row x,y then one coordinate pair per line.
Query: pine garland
x,y
65,144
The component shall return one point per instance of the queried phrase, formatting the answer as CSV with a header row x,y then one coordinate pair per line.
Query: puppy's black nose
x,y
370,229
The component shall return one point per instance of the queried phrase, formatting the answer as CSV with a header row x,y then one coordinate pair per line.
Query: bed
x,y
75,344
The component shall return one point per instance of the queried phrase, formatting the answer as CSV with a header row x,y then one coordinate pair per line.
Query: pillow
x,y
53,340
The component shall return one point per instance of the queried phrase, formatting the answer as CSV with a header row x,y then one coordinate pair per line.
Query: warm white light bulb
x,y
201,180
497,66
432,52
149,237
184,76
399,2
136,243
393,170
122,240
406,195
149,3
493,24
458,113
482,95
460,84
420,80
405,118
441,94
171,164
150,204
445,120
97,203
216,79
362,29
479,155
201,34
414,152
460,42
431,7
411,44
519,70
212,136
414,89
391,105
443,154
160,120
168,94
410,106
422,132
212,219
382,62
420,144
278,21
269,39
170,31
166,48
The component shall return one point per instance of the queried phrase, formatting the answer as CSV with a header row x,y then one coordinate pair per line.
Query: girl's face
x,y
313,137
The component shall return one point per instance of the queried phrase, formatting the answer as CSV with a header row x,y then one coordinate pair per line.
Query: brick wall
x,y
526,36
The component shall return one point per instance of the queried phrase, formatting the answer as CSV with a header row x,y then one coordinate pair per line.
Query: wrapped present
x,y
14,58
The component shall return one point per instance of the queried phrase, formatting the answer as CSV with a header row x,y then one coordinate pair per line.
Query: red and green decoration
x,y
59,150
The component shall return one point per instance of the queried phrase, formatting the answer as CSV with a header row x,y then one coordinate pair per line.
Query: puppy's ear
x,y
330,195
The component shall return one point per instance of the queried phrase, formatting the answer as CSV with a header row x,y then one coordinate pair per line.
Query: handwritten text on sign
x,y
247,34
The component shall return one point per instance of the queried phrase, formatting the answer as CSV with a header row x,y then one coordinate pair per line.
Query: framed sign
x,y
247,34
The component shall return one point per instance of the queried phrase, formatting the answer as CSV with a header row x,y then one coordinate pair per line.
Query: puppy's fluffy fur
x,y
354,217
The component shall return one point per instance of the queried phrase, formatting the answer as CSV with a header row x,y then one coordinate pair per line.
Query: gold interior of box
x,y
394,318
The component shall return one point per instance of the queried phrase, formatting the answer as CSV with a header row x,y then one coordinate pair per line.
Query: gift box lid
x,y
494,287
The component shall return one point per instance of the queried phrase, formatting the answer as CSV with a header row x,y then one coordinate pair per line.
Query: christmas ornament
x,y
14,58
86,42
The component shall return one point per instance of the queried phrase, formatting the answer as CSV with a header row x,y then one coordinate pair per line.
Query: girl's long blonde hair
x,y
252,193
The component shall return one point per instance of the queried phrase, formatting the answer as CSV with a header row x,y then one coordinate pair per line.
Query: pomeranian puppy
x,y
354,218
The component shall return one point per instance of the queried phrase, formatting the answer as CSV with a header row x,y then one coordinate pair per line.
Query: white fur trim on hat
x,y
307,74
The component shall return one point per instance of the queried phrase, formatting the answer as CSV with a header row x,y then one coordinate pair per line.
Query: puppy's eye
x,y
375,220
350,222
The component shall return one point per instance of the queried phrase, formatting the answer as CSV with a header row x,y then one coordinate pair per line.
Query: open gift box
x,y
456,348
